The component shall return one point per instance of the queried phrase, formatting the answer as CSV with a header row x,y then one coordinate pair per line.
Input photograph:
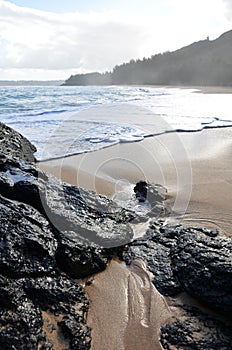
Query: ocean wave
x,y
71,120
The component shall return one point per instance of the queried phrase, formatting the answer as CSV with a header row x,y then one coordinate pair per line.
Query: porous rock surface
x,y
14,144
195,330
197,261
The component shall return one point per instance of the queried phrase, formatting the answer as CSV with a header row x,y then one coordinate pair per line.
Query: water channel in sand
x,y
126,311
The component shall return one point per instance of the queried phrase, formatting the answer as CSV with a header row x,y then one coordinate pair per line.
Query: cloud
x,y
228,8
42,40
54,44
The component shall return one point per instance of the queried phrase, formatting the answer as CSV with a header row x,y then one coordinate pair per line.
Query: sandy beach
x,y
195,167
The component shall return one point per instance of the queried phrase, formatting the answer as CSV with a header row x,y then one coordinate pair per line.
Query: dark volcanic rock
x,y
197,261
20,320
82,221
196,330
79,260
15,145
154,248
140,190
94,218
188,259
35,311
66,300
27,244
203,265
49,228
52,293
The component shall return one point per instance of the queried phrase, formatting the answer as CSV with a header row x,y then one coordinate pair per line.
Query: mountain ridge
x,y
205,62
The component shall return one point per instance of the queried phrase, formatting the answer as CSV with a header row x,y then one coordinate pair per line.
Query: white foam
x,y
64,120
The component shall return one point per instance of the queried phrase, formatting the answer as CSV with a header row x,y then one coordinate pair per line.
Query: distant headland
x,y
203,63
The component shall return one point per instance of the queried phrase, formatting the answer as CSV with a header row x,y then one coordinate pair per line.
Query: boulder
x,y
27,244
154,248
140,190
66,301
203,265
95,219
13,144
195,260
20,320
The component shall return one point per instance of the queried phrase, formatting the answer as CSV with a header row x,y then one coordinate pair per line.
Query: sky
x,y
53,39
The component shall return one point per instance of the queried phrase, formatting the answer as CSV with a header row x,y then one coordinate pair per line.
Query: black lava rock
x,y
203,265
154,248
188,259
94,218
20,320
33,312
78,259
13,144
196,261
140,190
27,244
85,225
196,330
66,300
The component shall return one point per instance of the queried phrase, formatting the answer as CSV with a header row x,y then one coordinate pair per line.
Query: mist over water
x,y
69,120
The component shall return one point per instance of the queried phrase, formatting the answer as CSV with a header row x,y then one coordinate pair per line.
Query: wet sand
x,y
126,311
195,168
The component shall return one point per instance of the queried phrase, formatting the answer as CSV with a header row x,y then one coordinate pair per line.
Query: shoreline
x,y
195,168
177,131
203,89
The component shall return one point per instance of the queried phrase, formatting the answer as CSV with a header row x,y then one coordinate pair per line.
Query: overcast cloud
x,y
228,8
44,45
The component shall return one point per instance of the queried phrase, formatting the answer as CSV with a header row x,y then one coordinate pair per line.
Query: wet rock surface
x,y
155,248
27,244
84,225
140,190
14,144
197,261
203,265
40,307
93,218
20,321
28,303
196,331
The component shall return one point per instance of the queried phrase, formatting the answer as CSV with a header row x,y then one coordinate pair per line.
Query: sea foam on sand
x,y
195,167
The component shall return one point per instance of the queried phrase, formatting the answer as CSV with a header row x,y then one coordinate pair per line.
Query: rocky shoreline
x,y
53,234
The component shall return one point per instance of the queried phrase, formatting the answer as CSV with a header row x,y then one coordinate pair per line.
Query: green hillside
x,y
206,62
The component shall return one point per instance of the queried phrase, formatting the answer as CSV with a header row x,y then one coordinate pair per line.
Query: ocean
x,y
63,120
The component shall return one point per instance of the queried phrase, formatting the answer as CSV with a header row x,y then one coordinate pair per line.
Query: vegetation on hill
x,y
206,62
